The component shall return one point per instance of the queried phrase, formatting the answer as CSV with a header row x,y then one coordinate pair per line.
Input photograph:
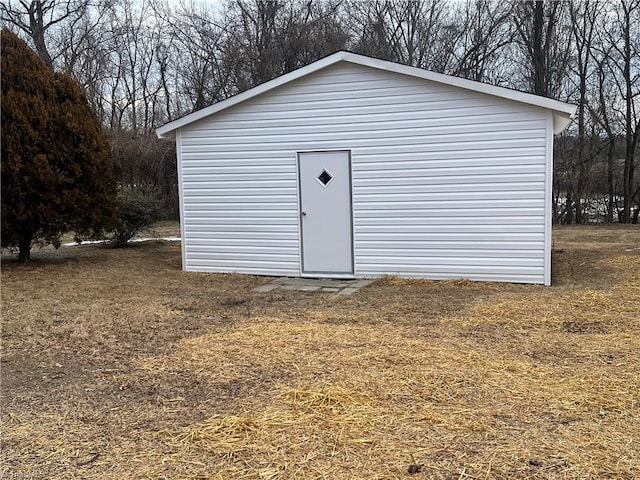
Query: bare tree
x,y
625,42
309,31
484,29
580,161
265,39
37,17
367,24
193,56
143,62
413,32
602,113
544,44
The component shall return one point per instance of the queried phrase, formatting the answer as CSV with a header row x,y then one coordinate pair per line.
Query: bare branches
x,y
37,17
144,62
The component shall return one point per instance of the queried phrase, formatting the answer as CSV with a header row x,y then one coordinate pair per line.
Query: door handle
x,y
304,214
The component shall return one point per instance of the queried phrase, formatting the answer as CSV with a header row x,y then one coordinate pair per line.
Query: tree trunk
x,y
539,63
627,189
36,21
24,250
568,218
610,188
579,213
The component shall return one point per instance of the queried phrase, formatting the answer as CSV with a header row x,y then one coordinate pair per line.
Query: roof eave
x,y
170,135
561,120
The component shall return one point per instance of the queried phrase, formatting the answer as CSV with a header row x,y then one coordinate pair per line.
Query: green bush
x,y
135,213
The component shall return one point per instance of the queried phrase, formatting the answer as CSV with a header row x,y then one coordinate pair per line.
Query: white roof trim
x,y
562,112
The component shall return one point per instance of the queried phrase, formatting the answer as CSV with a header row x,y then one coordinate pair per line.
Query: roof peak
x,y
562,112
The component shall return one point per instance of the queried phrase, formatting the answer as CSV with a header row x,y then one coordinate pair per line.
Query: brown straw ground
x,y
115,364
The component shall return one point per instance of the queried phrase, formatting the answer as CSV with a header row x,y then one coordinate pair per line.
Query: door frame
x,y
304,273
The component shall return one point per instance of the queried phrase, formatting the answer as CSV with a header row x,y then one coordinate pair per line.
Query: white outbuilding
x,y
357,167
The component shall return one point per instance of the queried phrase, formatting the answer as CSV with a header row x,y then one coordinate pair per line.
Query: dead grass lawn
x,y
115,364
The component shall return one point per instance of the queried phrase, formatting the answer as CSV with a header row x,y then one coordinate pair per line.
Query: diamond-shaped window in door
x,y
324,178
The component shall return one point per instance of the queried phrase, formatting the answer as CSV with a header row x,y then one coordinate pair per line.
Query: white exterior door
x,y
325,212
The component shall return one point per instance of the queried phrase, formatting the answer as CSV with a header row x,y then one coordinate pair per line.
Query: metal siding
x,y
447,183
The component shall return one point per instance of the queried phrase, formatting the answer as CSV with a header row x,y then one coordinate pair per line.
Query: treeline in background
x,y
146,62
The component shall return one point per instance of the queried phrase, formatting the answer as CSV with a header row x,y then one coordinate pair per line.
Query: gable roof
x,y
562,112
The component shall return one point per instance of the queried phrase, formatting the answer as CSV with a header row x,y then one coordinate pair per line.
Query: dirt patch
x,y
584,327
